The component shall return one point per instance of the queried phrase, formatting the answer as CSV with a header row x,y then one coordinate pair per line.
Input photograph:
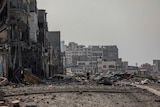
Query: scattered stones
x,y
53,97
80,92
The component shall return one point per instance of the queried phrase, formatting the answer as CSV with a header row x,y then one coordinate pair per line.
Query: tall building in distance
x,y
93,58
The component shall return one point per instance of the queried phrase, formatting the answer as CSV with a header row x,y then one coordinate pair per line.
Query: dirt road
x,y
81,96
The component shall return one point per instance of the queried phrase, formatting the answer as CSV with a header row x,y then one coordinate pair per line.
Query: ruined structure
x,y
56,62
23,42
14,31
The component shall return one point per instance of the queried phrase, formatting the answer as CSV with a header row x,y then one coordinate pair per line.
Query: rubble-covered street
x,y
38,68
73,95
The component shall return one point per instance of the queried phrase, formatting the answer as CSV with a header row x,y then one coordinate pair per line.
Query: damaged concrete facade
x,y
14,31
23,39
56,61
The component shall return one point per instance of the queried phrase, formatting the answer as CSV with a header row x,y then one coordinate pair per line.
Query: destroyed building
x,y
14,35
56,61
23,39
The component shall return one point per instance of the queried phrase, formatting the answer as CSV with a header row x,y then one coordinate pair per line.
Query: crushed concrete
x,y
116,96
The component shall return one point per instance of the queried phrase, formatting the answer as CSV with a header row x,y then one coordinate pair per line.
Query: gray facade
x,y
14,35
33,20
43,27
33,6
55,44
110,53
156,66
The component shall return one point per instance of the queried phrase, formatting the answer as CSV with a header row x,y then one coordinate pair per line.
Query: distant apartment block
x,y
105,66
93,58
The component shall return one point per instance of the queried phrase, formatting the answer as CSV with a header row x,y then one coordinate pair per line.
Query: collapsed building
x,y
14,31
23,41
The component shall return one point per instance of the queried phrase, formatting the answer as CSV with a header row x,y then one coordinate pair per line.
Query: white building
x,y
107,65
88,58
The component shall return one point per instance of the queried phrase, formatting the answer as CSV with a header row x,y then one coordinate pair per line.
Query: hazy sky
x,y
132,25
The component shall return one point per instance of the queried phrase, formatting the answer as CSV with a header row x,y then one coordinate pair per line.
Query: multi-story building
x,y
56,65
87,66
105,66
81,56
72,51
95,51
42,40
43,26
72,46
14,36
110,52
23,39
31,57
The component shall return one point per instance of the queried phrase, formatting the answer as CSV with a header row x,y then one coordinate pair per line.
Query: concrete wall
x,y
43,27
156,66
110,52
33,6
53,38
33,24
54,41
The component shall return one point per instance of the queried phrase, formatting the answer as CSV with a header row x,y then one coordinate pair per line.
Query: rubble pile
x,y
123,79
30,78
3,103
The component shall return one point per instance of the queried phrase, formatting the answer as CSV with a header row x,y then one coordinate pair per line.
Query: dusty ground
x,y
81,96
